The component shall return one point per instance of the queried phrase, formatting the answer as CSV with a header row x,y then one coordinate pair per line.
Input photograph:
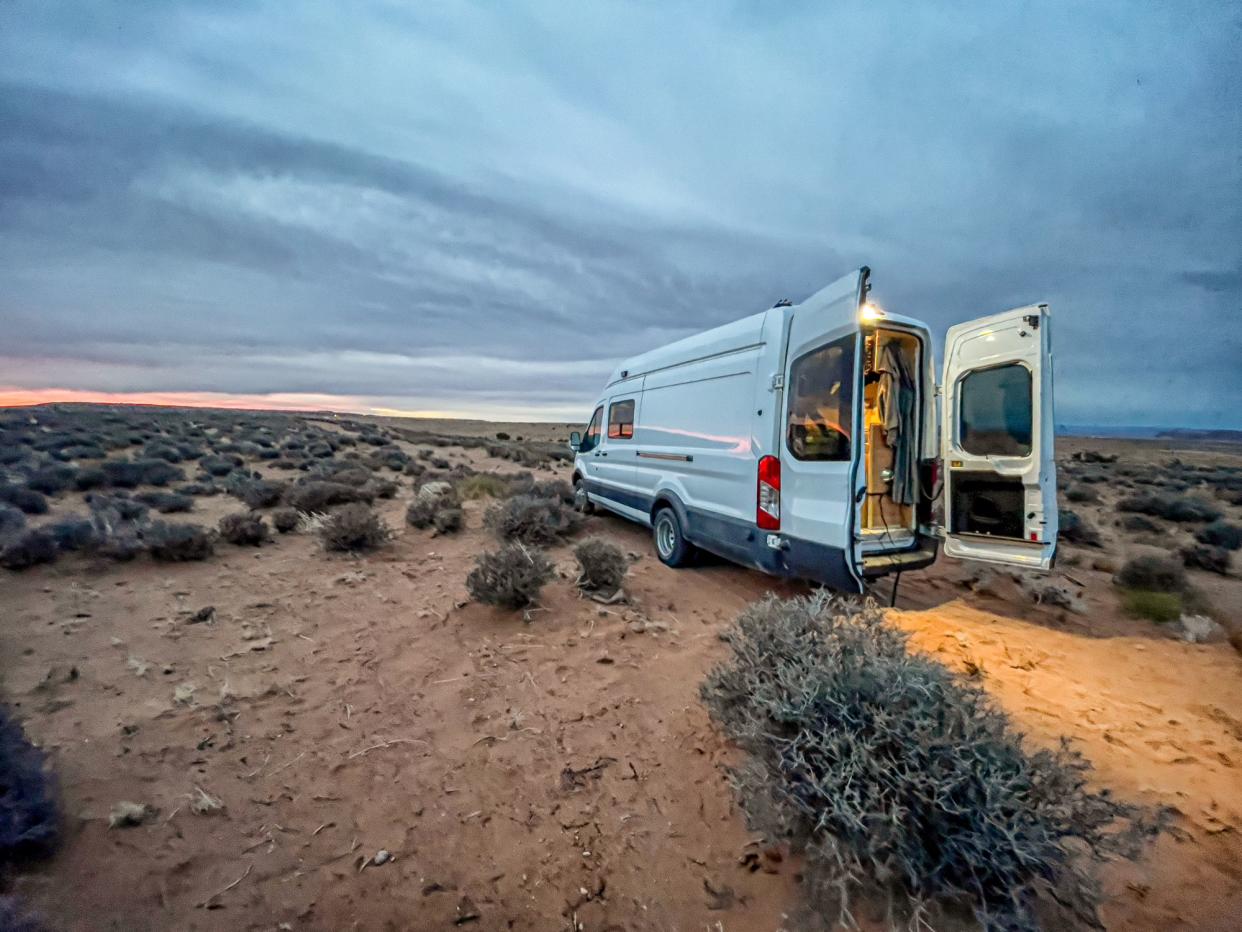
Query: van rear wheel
x,y
671,545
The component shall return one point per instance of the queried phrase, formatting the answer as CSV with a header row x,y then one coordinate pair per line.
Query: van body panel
x,y
1000,495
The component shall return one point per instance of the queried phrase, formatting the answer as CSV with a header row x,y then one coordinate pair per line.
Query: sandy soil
x,y
556,774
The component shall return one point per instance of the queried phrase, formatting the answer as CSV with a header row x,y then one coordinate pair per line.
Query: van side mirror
x,y
575,441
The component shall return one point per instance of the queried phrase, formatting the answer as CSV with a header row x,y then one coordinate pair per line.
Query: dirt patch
x,y
523,775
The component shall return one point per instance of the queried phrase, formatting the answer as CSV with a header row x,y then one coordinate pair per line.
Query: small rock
x,y
127,814
381,857
206,613
1199,629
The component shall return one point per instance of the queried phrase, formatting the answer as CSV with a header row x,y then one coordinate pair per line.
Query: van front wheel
x,y
581,502
671,546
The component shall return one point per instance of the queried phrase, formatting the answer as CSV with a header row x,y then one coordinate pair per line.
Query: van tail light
x,y
768,494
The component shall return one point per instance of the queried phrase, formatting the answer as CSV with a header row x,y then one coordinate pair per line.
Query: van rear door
x,y
820,444
1000,495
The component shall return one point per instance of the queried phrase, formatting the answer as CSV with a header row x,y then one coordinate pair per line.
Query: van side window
x,y
821,402
621,420
996,411
591,439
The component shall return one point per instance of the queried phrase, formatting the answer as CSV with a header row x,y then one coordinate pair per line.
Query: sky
x,y
477,209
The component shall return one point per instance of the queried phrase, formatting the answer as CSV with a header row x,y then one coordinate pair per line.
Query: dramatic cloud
x,y
477,209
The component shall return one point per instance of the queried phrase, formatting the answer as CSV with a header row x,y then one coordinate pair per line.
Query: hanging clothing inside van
x,y
896,403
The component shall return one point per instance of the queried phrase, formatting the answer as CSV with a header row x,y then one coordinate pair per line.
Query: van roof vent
x,y
783,302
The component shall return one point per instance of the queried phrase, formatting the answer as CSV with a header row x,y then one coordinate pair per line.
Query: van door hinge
x,y
778,381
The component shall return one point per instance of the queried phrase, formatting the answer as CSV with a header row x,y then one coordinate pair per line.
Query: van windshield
x,y
821,402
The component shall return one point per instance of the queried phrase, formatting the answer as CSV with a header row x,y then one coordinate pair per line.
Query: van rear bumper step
x,y
881,564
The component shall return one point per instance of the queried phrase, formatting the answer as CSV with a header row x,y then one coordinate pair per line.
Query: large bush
x,y
28,820
898,778
532,520
354,527
510,577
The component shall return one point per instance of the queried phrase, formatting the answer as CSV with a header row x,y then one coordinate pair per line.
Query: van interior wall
x,y
881,514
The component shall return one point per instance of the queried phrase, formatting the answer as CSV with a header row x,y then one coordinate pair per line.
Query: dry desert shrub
x,y
29,825
11,518
259,493
532,520
1075,529
1181,508
166,503
448,520
601,565
1221,534
285,519
354,527
482,485
1206,557
176,543
1153,573
317,495
899,779
510,577
243,528
28,500
27,548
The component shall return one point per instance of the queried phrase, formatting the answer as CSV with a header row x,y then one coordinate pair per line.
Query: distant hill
x,y
1220,434
1130,432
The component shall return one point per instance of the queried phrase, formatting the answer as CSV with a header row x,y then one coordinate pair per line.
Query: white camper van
x,y
811,441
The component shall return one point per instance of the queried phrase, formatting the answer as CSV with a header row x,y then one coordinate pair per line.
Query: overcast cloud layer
x,y
477,209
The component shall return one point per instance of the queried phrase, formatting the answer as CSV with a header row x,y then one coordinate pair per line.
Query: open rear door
x,y
1000,492
820,450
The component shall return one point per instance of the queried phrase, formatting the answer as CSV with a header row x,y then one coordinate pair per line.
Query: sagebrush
x,y
532,520
354,527
898,778
510,577
601,565
28,816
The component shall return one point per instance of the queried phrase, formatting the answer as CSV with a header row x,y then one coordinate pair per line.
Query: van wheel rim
x,y
580,496
666,539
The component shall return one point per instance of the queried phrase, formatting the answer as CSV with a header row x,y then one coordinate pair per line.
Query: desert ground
x,y
286,713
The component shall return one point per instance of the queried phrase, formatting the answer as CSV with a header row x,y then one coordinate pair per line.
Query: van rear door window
x,y
821,402
621,420
997,411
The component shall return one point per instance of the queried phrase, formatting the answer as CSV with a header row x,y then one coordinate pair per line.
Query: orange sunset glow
x,y
22,397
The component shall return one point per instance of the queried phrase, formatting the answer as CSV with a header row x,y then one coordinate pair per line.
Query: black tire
x,y
671,546
581,502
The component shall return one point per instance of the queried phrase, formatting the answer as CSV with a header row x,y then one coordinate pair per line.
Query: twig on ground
x,y
385,744
224,890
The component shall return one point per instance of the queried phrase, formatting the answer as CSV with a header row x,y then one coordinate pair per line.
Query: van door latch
x,y
778,381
